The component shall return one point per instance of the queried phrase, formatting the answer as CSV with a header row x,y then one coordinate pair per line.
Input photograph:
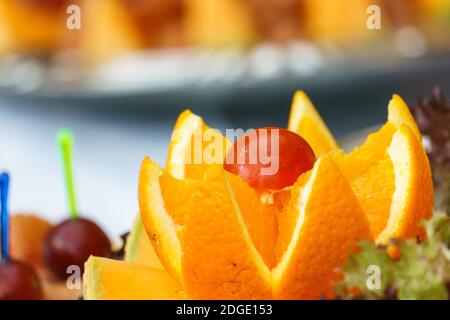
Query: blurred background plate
x,y
121,80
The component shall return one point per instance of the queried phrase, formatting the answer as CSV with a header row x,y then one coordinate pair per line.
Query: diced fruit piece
x,y
46,34
338,22
27,241
222,23
328,224
306,122
192,147
60,291
138,248
270,158
100,43
210,249
28,233
109,279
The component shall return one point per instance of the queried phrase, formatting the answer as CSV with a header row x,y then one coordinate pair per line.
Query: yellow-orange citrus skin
x,y
374,190
398,114
180,148
159,224
224,252
194,147
370,172
328,226
384,171
220,239
366,156
200,234
356,163
27,237
306,122
107,279
287,213
260,218
219,259
138,248
412,200
192,135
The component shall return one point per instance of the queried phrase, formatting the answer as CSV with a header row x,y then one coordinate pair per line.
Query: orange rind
x,y
306,121
138,248
218,238
329,222
220,258
391,176
107,279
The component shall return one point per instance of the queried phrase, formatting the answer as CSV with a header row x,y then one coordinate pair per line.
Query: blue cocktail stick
x,y
4,189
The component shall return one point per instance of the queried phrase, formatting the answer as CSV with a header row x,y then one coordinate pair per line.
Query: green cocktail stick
x,y
65,144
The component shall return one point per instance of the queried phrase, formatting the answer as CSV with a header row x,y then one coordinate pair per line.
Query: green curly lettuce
x,y
422,272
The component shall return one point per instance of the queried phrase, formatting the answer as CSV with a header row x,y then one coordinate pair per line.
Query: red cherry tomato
x,y
270,158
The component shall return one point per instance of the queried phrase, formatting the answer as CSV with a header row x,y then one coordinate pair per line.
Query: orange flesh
x,y
362,158
320,142
219,261
232,240
377,180
109,279
328,225
234,244
176,196
260,219
287,214
270,225
138,248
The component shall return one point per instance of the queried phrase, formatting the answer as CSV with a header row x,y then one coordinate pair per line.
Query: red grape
x,y
18,281
72,242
